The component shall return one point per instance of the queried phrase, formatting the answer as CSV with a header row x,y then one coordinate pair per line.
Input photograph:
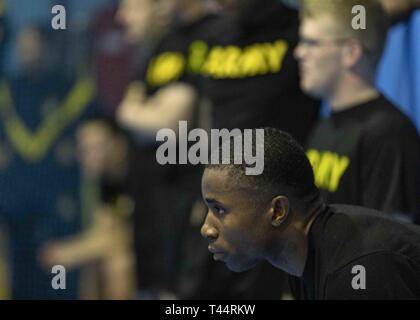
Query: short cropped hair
x,y
372,38
286,167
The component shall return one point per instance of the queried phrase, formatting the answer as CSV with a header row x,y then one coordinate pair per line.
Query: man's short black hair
x,y
286,167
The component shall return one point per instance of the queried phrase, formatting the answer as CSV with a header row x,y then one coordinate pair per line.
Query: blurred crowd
x,y
79,111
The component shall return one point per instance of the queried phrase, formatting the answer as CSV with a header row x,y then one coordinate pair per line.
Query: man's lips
x,y
217,254
213,249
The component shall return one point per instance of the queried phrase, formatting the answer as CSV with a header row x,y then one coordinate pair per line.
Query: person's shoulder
x,y
210,21
283,21
323,124
211,27
282,14
217,29
358,232
380,274
352,209
207,28
358,214
386,119
347,221
386,124
375,226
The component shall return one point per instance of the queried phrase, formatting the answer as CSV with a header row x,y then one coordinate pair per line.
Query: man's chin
x,y
239,267
312,92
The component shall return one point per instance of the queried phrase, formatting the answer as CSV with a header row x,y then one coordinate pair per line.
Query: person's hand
x,y
136,91
55,254
126,114
128,110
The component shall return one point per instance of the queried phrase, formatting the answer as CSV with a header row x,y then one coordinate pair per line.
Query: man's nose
x,y
208,231
298,52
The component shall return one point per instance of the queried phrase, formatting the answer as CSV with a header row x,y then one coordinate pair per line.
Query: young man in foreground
x,y
329,252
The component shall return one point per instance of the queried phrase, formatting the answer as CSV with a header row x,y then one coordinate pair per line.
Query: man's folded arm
x,y
147,115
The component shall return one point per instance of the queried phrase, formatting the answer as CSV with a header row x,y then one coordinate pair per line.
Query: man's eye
x,y
308,42
220,211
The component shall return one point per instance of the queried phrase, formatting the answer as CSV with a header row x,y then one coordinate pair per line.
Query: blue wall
x,y
399,73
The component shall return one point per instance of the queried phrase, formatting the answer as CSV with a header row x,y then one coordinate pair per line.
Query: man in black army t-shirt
x,y
329,252
250,74
164,92
367,153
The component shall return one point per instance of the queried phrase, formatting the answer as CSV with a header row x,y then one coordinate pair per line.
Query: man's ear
x,y
353,52
279,210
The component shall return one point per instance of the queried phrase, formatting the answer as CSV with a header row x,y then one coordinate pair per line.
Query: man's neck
x,y
353,93
292,255
310,216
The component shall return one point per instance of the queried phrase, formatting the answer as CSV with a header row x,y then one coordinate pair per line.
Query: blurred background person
x,y
164,92
40,110
103,250
366,153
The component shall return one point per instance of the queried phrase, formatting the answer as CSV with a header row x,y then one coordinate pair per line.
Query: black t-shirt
x,y
178,56
171,61
251,76
368,155
358,253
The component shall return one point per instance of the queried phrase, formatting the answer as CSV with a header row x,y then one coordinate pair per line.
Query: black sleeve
x,y
391,175
388,276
